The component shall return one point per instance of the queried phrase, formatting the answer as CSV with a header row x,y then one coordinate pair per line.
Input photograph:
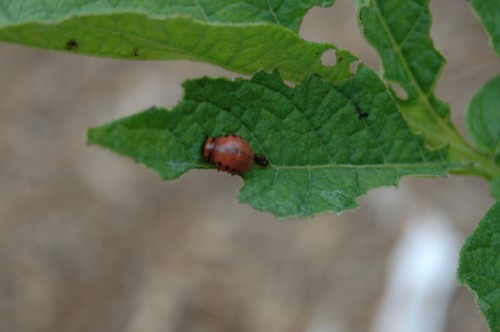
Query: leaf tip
x,y
92,136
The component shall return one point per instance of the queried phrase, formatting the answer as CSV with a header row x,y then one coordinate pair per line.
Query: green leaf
x,y
287,13
324,151
399,31
239,36
483,116
479,266
488,12
495,188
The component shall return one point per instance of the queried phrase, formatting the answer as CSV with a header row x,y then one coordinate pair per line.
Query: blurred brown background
x,y
90,241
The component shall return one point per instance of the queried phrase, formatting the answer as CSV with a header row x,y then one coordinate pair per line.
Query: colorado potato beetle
x,y
229,153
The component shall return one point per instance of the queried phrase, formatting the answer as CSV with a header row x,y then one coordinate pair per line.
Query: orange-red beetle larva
x,y
229,153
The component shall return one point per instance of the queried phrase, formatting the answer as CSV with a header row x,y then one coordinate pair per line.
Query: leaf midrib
x,y
374,166
414,165
311,167
422,96
452,137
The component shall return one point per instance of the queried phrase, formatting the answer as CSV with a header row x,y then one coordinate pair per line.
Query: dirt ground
x,y
90,241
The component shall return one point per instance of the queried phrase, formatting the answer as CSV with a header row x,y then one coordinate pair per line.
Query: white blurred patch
x,y
326,327
421,276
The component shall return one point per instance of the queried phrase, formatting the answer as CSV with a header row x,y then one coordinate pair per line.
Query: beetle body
x,y
229,153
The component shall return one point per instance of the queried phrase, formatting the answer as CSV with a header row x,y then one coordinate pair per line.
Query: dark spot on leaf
x,y
261,160
71,45
361,114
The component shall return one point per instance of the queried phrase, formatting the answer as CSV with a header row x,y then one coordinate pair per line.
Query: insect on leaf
x,y
326,145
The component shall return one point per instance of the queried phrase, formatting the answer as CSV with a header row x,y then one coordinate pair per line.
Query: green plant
x,y
330,138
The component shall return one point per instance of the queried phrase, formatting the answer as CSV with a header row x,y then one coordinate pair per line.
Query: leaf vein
x,y
413,27
202,11
302,112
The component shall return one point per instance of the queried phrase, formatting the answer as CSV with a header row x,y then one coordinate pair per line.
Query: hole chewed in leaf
x,y
329,57
354,66
398,91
